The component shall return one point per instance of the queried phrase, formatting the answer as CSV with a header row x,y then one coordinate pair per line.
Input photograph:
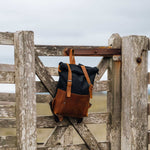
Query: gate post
x,y
25,90
134,93
114,96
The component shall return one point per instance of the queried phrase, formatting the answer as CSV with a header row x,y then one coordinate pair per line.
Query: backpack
x,y
74,90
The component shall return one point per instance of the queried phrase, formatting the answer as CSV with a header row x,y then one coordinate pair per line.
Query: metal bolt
x,y
138,60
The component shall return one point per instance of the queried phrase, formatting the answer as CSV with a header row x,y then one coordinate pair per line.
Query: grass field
x,y
99,104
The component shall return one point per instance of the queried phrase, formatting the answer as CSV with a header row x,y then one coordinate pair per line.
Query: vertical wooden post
x,y
134,93
114,96
25,90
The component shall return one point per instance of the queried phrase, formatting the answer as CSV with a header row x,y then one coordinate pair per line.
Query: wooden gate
x,y
22,115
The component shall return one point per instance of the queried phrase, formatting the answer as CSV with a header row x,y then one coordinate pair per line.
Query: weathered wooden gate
x,y
126,116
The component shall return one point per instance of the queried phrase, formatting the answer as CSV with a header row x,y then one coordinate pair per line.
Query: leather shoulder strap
x,y
88,80
69,82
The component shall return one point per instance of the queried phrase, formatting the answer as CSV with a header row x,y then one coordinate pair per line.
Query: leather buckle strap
x,y
69,82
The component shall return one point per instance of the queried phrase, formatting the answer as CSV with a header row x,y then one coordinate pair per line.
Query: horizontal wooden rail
x,y
10,97
148,77
103,145
148,109
98,86
6,38
7,111
49,122
53,50
9,142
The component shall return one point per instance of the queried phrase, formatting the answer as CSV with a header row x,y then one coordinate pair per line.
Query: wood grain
x,y
7,111
49,122
6,38
114,97
25,90
85,134
45,76
134,93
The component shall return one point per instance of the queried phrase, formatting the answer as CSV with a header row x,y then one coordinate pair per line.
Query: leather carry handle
x,y
70,52
88,80
71,57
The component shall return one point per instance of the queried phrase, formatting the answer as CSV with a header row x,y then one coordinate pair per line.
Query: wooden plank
x,y
54,138
7,123
102,66
148,109
102,145
40,88
12,145
114,97
134,92
10,97
45,76
53,71
67,138
7,111
7,67
148,77
98,86
6,38
8,141
7,77
148,137
53,50
85,134
49,122
101,86
25,90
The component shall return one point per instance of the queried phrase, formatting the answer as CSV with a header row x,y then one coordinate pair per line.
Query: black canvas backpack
x,y
74,90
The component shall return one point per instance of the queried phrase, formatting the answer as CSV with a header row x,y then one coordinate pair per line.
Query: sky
x,y
73,22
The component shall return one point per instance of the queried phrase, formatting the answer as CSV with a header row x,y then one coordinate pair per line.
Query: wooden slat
x,y
45,76
7,67
53,50
53,71
148,77
101,86
148,137
49,122
7,77
10,97
102,145
8,141
148,109
6,38
25,90
114,97
54,138
85,134
98,86
7,123
7,111
102,66
40,88
134,93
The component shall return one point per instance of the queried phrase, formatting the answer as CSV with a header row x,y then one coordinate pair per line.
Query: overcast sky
x,y
73,22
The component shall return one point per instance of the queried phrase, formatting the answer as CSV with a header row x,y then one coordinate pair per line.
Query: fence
x,y
127,98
